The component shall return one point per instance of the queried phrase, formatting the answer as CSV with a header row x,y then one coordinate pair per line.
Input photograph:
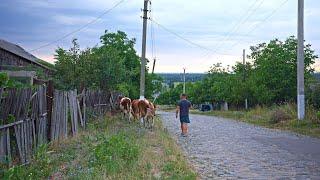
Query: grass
x,y
277,117
109,149
166,108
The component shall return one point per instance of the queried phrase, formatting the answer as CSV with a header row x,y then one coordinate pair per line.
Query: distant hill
x,y
170,78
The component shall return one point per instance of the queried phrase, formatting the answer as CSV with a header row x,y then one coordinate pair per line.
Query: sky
x,y
222,28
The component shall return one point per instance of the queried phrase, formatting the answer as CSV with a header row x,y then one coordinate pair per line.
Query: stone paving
x,y
220,148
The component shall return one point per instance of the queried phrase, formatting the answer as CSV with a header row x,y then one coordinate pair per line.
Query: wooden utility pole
x,y
244,76
184,80
143,54
300,63
154,64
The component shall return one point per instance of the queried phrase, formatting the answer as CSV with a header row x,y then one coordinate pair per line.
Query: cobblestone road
x,y
226,149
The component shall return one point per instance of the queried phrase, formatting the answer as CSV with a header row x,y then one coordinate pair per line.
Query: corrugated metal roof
x,y
19,51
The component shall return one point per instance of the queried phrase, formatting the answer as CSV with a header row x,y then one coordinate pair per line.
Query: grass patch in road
x,y
109,149
277,117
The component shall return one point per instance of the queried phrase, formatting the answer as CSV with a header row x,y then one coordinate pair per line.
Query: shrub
x,y
279,115
318,117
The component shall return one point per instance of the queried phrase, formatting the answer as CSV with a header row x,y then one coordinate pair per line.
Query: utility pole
x,y
143,54
154,64
244,76
300,63
184,80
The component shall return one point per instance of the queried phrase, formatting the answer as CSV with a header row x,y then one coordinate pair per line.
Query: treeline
x,y
112,66
170,78
270,78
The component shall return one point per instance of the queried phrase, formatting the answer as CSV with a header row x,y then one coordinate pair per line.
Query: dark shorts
x,y
184,119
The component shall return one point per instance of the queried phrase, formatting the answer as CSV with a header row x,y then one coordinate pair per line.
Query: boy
x,y
183,110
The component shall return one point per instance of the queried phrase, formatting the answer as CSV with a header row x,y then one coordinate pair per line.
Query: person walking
x,y
183,107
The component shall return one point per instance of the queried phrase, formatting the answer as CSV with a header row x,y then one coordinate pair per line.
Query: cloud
x,y
206,22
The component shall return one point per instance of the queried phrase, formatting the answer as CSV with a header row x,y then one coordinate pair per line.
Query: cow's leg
x,y
152,122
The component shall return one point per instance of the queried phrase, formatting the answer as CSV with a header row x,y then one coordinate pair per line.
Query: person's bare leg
x,y
182,131
186,128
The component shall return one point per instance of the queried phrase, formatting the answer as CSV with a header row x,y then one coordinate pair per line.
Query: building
x,y
17,62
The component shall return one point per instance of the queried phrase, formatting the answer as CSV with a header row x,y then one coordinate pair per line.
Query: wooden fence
x,y
25,121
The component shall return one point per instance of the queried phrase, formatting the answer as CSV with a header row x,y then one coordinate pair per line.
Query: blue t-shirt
x,y
184,106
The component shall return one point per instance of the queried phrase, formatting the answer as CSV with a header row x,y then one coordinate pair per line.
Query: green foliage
x,y
113,66
170,96
116,153
275,70
269,79
3,79
314,96
6,82
41,169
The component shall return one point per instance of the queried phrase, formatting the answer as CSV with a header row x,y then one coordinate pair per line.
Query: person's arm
x,y
177,111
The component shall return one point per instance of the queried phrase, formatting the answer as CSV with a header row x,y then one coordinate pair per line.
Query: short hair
x,y
184,95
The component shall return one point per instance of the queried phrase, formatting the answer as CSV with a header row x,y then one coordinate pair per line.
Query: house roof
x,y
19,51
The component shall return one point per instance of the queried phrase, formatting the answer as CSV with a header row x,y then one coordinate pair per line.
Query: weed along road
x,y
228,149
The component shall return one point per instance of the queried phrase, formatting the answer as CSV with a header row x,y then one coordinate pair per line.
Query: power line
x,y
79,29
185,39
152,33
242,20
261,22
179,36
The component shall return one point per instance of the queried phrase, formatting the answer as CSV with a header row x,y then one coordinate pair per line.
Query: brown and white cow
x,y
125,107
146,113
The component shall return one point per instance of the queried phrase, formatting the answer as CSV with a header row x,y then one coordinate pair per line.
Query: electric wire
x,y
81,28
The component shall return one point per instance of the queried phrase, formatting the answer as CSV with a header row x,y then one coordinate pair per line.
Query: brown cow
x,y
146,113
125,107
135,109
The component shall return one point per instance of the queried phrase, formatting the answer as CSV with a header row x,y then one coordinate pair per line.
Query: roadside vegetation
x,y
282,117
267,81
269,77
109,149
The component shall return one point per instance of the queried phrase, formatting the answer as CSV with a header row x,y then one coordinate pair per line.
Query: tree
x,y
113,66
275,68
270,78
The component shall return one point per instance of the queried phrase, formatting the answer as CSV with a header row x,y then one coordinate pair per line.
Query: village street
x,y
228,149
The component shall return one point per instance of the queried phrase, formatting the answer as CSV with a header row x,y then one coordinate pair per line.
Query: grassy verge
x,y
166,108
109,149
278,117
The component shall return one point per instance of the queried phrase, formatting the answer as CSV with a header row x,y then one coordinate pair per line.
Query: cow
x,y
125,107
135,109
146,113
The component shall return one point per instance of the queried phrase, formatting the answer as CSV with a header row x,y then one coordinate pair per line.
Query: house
x,y
17,62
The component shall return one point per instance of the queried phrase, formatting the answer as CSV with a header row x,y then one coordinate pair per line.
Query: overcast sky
x,y
208,23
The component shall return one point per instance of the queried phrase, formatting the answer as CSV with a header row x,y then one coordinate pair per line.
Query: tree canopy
x,y
270,77
112,66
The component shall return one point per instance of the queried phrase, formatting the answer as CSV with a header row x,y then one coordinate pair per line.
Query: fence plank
x,y
9,148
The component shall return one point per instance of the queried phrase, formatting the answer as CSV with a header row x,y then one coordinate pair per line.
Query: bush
x,y
314,97
279,115
318,117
